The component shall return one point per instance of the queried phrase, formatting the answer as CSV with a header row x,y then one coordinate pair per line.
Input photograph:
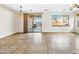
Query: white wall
x,y
76,22
8,21
30,23
20,23
47,25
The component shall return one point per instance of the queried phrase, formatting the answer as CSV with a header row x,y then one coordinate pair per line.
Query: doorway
x,y
35,24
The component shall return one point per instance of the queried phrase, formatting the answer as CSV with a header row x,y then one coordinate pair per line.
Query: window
x,y
60,20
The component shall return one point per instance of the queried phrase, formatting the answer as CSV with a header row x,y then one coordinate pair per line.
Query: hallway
x,y
40,43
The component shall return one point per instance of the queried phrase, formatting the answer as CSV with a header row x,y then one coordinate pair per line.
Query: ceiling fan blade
x,y
72,7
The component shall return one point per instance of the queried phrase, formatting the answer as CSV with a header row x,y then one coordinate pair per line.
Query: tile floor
x,y
40,43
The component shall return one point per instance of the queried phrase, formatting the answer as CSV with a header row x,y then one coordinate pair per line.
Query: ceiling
x,y
40,8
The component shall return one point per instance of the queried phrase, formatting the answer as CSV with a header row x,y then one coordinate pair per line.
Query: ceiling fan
x,y
73,6
20,11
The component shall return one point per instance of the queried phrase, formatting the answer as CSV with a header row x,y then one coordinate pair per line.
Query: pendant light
x,y
20,11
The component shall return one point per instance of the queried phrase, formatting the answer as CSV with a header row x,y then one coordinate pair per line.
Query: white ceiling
x,y
39,8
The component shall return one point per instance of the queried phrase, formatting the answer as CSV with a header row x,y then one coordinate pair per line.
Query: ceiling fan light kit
x,y
72,7
20,11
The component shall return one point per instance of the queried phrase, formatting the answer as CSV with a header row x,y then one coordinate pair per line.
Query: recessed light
x,y
30,9
20,6
46,9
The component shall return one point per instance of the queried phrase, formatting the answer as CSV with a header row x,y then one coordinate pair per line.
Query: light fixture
x,y
46,9
30,9
72,7
77,14
20,10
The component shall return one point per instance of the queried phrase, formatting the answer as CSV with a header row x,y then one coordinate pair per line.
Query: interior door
x,y
26,23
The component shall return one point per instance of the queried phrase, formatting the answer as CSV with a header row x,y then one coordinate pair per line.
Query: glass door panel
x,y
37,24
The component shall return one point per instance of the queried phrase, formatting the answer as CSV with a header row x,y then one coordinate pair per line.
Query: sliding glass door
x,y
35,24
